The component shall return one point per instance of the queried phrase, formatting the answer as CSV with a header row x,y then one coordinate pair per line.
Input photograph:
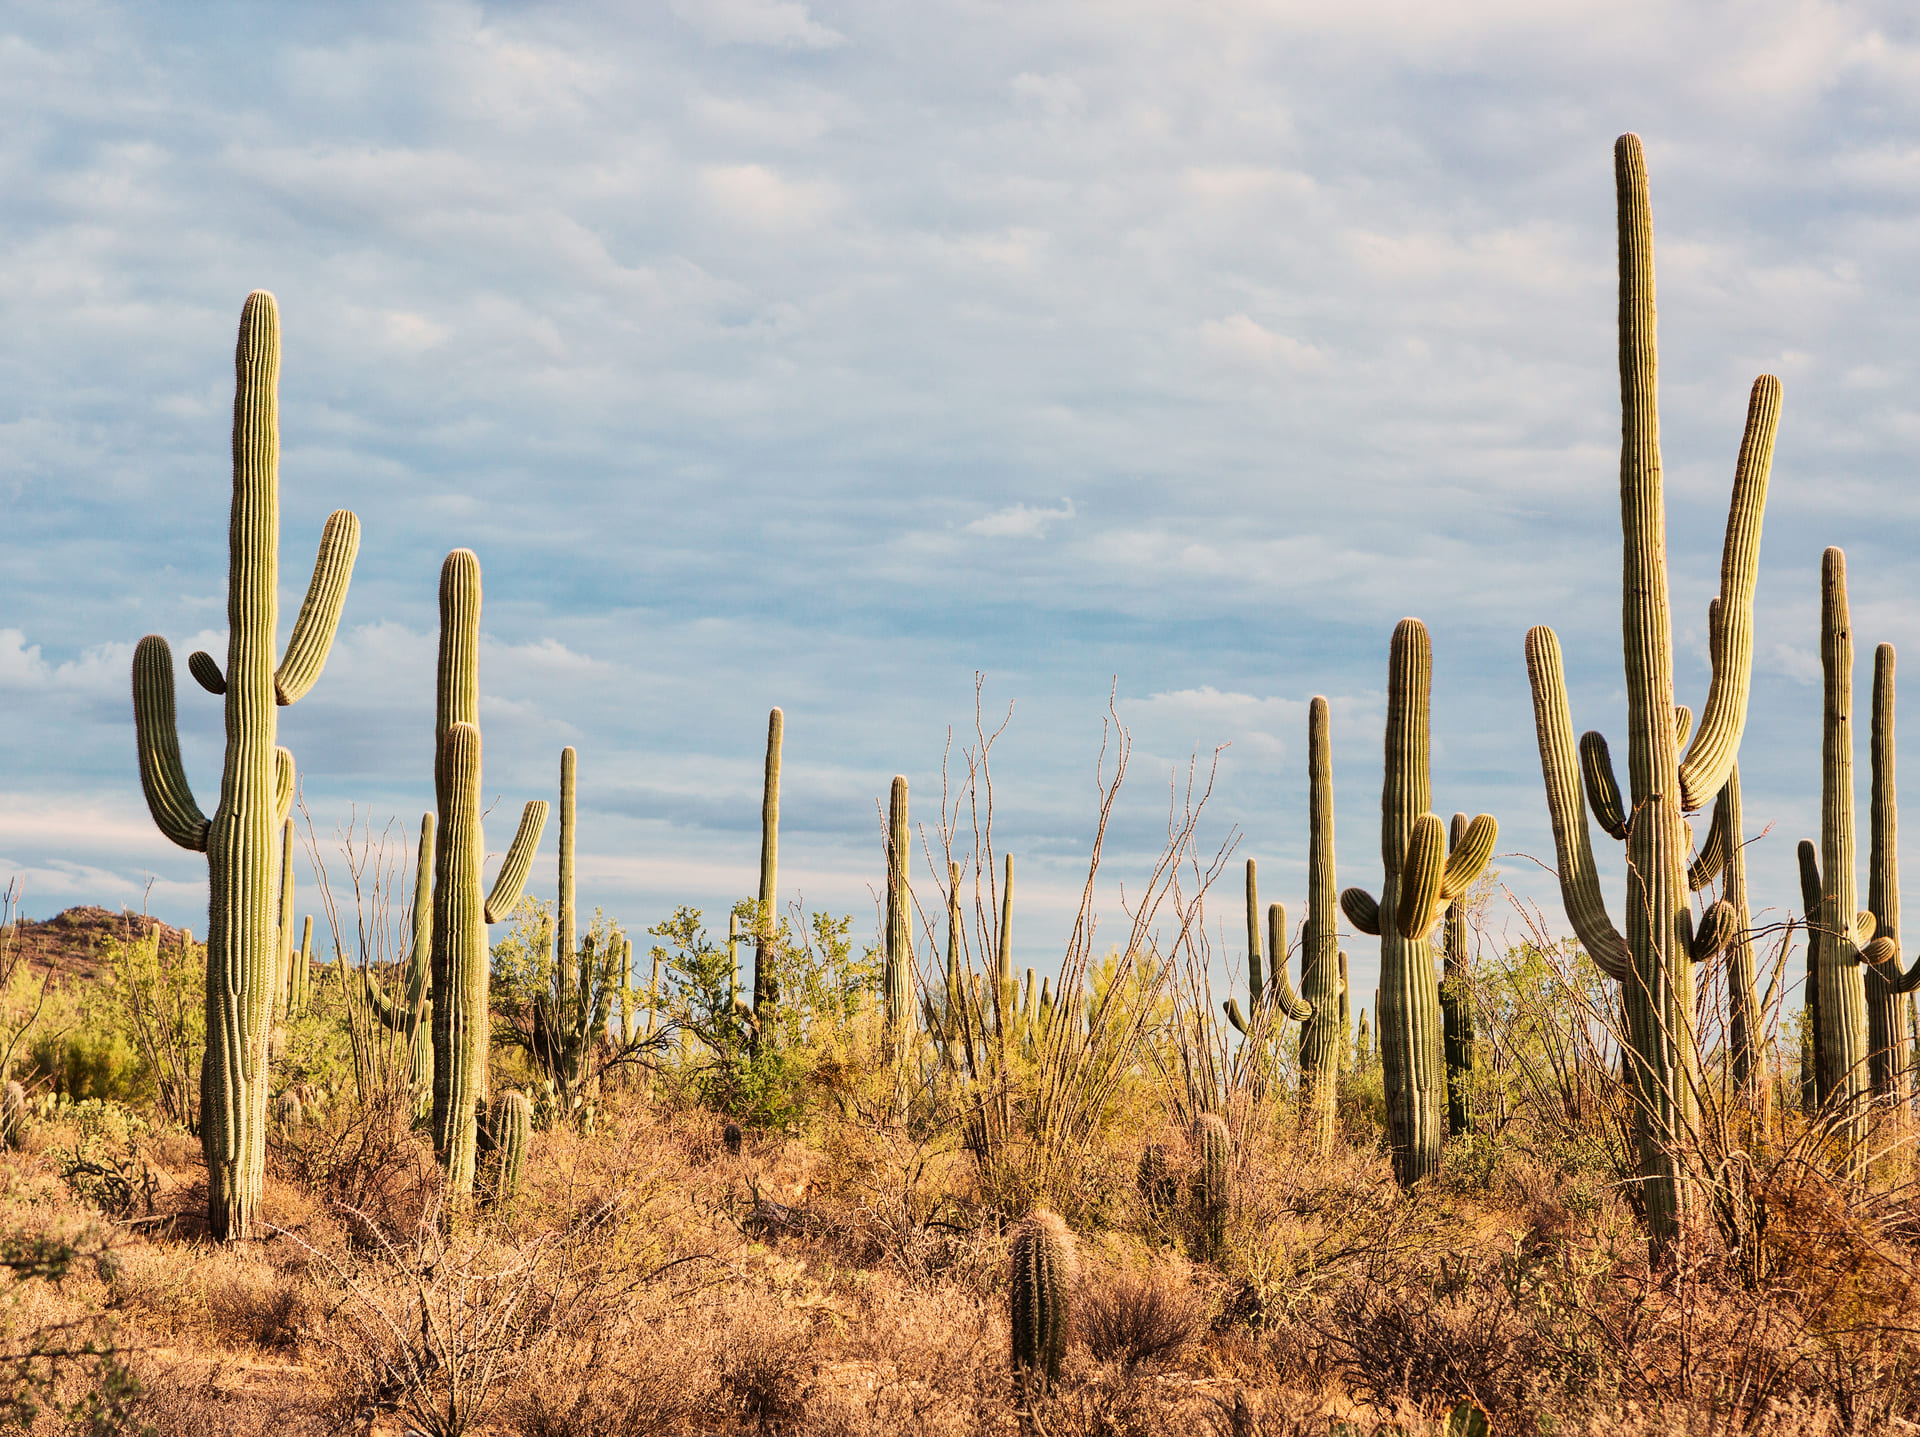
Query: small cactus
x,y
1040,1298
730,1138
1155,1180
511,1127
1213,1183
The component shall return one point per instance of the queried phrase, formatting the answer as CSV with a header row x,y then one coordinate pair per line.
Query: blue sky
x,y
825,354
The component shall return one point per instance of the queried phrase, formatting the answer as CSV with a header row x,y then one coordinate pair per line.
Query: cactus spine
x,y
766,988
460,915
1654,959
1421,878
242,961
897,977
1040,1299
1323,967
1456,1008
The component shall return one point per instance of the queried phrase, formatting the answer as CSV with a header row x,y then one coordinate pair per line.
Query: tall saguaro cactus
x,y
239,838
1420,879
1654,958
460,916
1889,1058
766,988
1322,965
572,1020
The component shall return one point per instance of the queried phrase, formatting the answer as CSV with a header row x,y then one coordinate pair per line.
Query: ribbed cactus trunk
x,y
897,974
460,913
1322,969
1660,993
1039,1300
1843,1076
566,965
256,780
1456,1007
1887,1052
1654,959
460,1027
1256,975
1812,1038
766,987
1408,1023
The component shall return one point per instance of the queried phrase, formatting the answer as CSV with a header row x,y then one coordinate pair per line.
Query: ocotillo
x,y
239,838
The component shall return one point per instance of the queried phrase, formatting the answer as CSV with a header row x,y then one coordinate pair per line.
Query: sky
x,y
827,355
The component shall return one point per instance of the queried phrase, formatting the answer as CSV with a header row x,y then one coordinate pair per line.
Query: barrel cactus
x,y
1040,1299
1655,957
256,785
460,914
1422,877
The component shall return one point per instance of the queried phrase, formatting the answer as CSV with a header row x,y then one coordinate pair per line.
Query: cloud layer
x,y
824,354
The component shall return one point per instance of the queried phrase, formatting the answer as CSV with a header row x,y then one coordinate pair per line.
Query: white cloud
x,y
1020,521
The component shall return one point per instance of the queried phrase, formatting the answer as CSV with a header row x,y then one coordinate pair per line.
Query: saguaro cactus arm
x,y
205,669
157,738
1572,844
1713,852
1362,910
284,775
1717,744
1284,998
1603,789
313,630
518,862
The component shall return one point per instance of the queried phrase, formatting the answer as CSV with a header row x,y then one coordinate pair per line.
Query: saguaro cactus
x,y
897,976
460,917
766,987
242,942
572,1020
1421,878
1655,957
1323,967
1040,1299
1889,1058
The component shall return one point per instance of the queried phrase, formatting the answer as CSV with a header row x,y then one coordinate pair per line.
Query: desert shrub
x,y
1133,1317
103,1160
